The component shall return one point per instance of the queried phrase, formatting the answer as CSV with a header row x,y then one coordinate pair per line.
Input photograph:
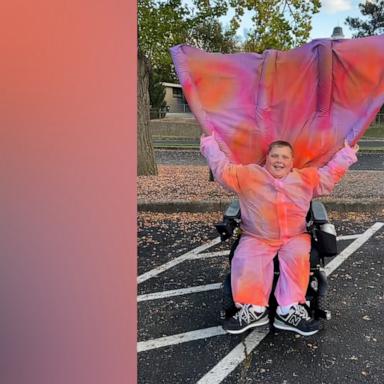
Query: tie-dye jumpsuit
x,y
273,215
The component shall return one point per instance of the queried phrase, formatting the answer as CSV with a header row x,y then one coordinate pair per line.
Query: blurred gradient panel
x,y
67,196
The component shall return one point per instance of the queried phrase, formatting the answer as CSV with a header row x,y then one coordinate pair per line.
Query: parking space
x,y
181,340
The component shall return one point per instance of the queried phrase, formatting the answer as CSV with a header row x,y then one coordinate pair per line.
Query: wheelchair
x,y
323,244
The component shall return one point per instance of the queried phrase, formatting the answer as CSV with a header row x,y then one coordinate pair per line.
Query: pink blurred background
x,y
68,196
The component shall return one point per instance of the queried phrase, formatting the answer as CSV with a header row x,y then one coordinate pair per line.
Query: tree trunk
x,y
146,164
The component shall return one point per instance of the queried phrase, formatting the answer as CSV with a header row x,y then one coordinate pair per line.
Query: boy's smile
x,y
279,162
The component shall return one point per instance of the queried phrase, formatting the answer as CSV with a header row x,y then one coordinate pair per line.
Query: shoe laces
x,y
302,312
244,314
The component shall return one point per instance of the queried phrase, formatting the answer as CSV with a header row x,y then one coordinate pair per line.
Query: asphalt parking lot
x,y
366,161
180,268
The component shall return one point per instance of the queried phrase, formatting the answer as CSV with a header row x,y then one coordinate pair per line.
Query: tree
x,y
279,24
373,25
210,36
161,24
276,24
156,91
146,164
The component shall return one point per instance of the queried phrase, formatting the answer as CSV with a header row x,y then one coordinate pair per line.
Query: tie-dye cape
x,y
313,96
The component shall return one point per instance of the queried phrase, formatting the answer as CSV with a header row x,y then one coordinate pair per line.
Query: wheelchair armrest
x,y
322,231
231,220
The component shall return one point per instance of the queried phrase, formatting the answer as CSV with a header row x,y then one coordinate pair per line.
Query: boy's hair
x,y
279,143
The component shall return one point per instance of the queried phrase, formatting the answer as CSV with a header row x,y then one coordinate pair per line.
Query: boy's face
x,y
279,162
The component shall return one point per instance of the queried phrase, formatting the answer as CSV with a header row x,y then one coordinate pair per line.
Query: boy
x,y
274,201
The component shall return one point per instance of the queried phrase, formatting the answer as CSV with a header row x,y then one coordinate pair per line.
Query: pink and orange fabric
x,y
274,209
273,215
313,96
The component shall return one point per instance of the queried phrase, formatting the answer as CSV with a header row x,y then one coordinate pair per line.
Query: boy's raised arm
x,y
334,170
223,171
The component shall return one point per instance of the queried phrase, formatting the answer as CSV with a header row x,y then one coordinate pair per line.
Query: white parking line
x,y
234,358
180,338
224,367
342,256
237,355
207,255
178,292
198,256
348,237
156,271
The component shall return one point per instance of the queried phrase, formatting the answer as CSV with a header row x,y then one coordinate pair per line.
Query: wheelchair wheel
x,y
317,295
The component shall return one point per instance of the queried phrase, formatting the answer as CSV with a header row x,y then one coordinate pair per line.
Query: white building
x,y
174,98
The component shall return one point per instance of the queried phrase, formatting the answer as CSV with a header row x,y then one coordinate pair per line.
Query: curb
x,y
368,206
182,206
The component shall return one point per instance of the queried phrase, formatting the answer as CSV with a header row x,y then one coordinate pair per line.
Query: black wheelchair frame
x,y
323,244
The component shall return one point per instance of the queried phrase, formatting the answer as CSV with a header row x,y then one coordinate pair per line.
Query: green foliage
x,y
165,23
161,25
279,24
373,24
156,92
210,36
276,24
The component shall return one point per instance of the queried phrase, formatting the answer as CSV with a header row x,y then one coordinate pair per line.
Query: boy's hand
x,y
355,147
205,134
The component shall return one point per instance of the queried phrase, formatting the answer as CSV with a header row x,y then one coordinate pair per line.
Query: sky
x,y
332,13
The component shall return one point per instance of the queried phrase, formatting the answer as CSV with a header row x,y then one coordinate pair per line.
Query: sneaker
x,y
245,318
297,320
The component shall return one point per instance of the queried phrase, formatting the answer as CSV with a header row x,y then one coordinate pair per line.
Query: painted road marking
x,y
178,292
156,271
342,256
207,255
224,367
234,358
348,237
202,288
180,338
239,353
195,254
